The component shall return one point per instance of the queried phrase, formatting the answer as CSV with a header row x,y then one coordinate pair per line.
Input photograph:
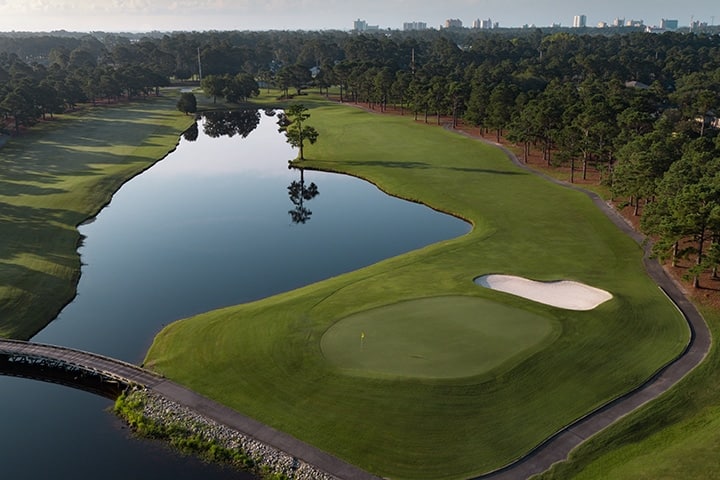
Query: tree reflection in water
x,y
299,194
231,123
243,122
192,133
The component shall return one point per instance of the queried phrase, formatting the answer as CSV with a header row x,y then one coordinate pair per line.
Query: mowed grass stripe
x,y
265,358
53,178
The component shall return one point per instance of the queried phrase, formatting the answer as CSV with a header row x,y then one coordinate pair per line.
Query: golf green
x,y
436,337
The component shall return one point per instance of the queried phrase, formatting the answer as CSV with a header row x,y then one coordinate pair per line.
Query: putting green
x,y
437,337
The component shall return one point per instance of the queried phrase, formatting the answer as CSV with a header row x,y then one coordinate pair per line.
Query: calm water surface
x,y
206,227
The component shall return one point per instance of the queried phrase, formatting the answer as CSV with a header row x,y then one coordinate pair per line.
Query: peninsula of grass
x,y
54,177
273,359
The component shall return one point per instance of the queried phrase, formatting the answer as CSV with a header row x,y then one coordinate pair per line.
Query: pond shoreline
x,y
153,415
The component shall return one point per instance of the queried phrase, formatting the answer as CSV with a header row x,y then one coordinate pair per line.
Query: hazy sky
x,y
165,15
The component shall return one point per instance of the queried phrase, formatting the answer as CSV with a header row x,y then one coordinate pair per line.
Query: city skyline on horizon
x,y
201,15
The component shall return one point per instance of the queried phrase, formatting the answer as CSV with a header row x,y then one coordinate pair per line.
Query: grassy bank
x,y
265,358
186,435
54,177
676,436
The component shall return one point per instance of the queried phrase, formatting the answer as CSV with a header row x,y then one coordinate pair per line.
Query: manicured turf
x,y
265,358
436,337
54,177
675,437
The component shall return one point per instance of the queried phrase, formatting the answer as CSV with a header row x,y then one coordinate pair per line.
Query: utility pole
x,y
199,65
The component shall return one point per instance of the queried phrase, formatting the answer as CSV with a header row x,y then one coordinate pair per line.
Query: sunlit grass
x,y
52,178
676,436
436,337
265,359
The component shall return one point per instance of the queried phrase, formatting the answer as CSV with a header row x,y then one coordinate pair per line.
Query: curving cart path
x,y
558,447
552,450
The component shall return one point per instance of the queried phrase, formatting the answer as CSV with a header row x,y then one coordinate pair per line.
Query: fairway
x,y
56,176
450,380
437,337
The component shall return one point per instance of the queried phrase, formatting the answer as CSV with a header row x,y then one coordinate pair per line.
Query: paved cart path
x,y
558,447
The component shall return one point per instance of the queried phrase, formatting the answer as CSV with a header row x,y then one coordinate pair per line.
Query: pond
x,y
222,220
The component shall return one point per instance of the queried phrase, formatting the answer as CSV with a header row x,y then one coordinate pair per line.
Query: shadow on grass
x,y
39,266
391,164
52,178
13,189
41,232
52,162
485,170
26,310
426,166
78,145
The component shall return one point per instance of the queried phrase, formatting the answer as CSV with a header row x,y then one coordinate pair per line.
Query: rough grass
x,y
265,360
676,436
54,177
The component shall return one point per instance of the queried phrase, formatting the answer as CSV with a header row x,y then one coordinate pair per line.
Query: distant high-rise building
x,y
618,22
362,26
407,26
698,25
453,23
483,24
668,24
579,21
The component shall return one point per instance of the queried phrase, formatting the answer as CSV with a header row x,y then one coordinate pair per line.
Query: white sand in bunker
x,y
563,294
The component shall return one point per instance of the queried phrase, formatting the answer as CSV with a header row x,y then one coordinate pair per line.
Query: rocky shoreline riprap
x,y
168,416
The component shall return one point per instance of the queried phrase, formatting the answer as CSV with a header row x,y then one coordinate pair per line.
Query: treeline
x,y
30,91
639,108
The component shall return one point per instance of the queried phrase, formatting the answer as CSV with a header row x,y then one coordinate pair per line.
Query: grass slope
x,y
676,436
264,358
53,178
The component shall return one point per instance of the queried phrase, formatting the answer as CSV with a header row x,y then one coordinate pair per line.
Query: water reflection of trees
x,y
231,123
243,122
192,133
299,194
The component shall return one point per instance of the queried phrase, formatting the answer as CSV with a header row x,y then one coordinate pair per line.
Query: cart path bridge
x,y
74,367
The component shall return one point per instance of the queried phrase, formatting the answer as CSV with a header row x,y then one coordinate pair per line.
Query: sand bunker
x,y
563,294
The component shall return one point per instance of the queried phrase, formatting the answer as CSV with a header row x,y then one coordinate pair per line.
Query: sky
x,y
202,15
